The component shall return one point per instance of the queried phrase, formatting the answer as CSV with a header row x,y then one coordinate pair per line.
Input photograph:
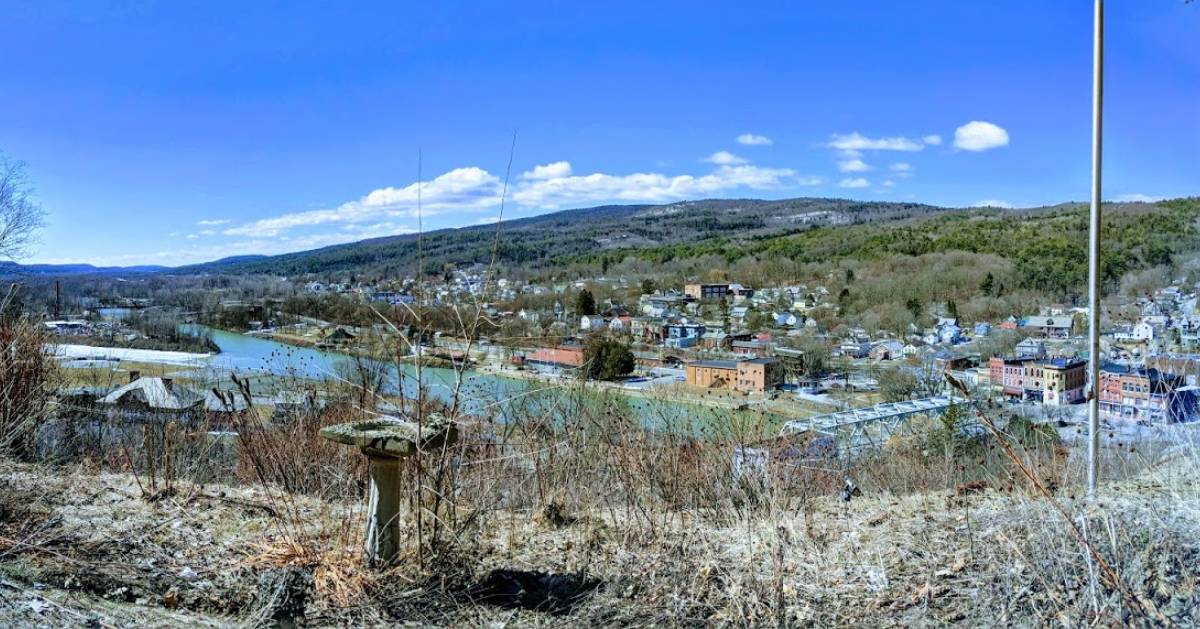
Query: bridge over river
x,y
869,427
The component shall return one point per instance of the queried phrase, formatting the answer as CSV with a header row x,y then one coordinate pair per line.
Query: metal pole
x,y
1094,254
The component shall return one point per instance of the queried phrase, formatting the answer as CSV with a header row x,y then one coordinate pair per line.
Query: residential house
x,y
855,349
949,333
589,323
1140,332
682,335
715,338
785,319
620,323
754,348
1051,327
152,395
889,349
1030,348
392,297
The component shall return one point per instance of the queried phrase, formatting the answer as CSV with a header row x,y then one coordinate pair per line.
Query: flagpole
x,y
1094,252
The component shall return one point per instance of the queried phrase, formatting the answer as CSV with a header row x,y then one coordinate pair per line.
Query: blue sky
x,y
180,132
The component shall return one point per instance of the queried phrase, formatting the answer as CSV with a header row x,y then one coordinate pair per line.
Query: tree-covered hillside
x,y
1047,246
541,241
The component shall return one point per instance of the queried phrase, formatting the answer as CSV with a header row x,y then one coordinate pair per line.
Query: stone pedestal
x,y
385,441
383,511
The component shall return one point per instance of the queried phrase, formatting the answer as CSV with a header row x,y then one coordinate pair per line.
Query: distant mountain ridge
x,y
14,269
539,240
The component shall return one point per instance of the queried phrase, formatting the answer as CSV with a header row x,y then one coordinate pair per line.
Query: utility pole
x,y
1094,252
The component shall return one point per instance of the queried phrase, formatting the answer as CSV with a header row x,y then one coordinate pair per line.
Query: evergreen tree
x,y
606,359
914,307
988,284
585,303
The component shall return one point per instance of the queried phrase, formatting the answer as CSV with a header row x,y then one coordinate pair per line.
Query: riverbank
x,y
66,352
675,392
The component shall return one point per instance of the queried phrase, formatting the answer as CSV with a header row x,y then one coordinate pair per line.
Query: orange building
x,y
748,376
561,356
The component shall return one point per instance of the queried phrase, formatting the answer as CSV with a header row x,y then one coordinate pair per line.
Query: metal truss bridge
x,y
870,427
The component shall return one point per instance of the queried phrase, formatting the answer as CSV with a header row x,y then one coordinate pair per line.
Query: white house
x,y
591,322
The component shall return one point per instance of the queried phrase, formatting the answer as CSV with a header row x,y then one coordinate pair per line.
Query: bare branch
x,y
20,215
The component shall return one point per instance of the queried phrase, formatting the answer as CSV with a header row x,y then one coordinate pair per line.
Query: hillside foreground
x,y
80,548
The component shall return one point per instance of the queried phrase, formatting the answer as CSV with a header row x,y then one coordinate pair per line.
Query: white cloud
x,y
208,232
725,158
654,187
549,186
993,203
853,166
468,188
750,139
374,230
212,222
932,140
900,167
1138,198
858,142
488,220
856,182
548,171
888,183
979,136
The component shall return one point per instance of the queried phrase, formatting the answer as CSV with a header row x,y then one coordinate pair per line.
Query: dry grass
x,y
945,532
566,484
930,558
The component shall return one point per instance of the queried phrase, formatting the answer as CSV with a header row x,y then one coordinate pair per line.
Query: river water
x,y
479,393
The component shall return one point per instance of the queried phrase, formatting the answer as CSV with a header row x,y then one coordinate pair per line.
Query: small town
x,y
664,314
782,347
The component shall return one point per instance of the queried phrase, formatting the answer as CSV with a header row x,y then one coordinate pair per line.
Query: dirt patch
x,y
532,590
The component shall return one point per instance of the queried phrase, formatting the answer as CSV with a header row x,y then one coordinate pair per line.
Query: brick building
x,y
1056,382
1146,395
748,376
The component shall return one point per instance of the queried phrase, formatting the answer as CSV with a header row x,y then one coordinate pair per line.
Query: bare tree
x,y
20,215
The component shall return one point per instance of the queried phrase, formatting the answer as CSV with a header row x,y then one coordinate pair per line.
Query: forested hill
x,y
1045,249
1040,249
543,240
9,269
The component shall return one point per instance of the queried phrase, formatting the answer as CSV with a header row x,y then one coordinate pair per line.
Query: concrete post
x,y
385,441
383,527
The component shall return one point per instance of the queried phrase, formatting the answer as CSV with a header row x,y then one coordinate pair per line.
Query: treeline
x,y
542,241
1047,248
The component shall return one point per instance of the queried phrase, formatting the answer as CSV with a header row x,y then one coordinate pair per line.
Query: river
x,y
480,393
